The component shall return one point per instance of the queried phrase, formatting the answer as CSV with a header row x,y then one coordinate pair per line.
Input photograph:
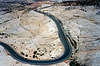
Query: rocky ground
x,y
83,25
32,35
35,36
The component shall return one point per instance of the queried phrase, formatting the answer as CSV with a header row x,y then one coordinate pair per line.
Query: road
x,y
67,53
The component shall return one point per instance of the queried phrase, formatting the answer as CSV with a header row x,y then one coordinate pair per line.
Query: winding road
x,y
67,53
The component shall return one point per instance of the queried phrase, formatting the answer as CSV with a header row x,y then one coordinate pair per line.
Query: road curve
x,y
66,44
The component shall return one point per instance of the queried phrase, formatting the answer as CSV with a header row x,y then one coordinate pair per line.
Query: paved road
x,y
66,44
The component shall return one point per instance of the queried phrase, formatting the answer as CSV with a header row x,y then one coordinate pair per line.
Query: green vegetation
x,y
33,56
22,42
75,63
22,53
11,44
16,62
26,55
38,48
34,52
41,54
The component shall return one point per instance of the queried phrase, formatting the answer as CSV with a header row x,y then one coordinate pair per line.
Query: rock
x,y
96,60
84,28
39,31
28,32
98,13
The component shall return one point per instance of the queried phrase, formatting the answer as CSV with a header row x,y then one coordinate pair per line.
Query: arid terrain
x,y
35,36
82,24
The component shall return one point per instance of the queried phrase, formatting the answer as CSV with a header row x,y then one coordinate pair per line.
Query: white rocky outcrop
x,y
32,33
84,28
36,34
